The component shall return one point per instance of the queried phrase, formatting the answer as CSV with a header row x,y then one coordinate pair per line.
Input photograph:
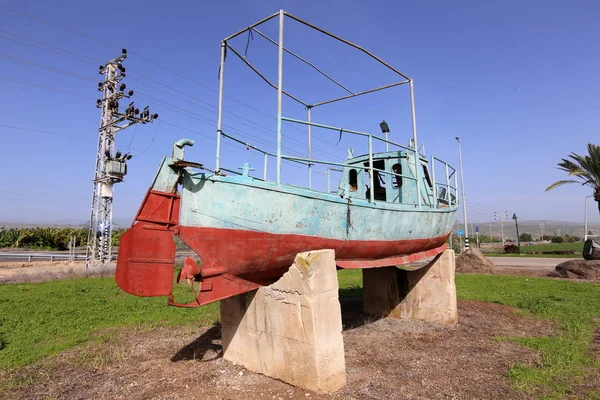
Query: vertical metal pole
x,y
435,201
456,184
462,180
265,168
309,151
387,145
220,111
448,191
279,95
414,125
517,226
502,227
372,173
585,224
328,180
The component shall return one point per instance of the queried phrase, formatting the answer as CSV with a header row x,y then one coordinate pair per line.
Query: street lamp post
x,y
585,225
517,225
462,182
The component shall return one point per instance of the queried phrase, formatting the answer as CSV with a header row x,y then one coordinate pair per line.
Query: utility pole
x,y
517,226
501,216
542,229
462,184
585,219
110,167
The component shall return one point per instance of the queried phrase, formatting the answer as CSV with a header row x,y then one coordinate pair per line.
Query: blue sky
x,y
517,81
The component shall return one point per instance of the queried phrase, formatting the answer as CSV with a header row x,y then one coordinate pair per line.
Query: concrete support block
x,y
292,329
428,293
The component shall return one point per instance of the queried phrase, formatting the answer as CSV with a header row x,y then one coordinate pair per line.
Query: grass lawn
x,y
41,319
528,251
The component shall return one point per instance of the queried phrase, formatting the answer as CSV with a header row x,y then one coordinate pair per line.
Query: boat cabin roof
x,y
381,156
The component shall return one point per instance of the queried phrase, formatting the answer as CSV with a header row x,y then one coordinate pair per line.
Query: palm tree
x,y
585,168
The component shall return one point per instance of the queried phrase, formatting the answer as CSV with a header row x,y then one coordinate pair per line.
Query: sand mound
x,y
473,261
578,269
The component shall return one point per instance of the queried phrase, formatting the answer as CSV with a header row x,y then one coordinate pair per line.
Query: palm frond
x,y
560,183
586,168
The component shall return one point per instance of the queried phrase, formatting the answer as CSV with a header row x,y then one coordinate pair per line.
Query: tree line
x,y
48,238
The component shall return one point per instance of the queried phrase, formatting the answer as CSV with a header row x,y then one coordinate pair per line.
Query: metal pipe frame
x,y
435,199
279,94
338,129
282,14
304,61
263,77
262,21
220,109
360,93
309,150
371,175
373,56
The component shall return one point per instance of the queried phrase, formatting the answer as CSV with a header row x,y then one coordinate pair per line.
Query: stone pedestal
x,y
292,329
428,293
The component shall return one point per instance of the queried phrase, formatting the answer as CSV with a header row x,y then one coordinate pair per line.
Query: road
x,y
532,262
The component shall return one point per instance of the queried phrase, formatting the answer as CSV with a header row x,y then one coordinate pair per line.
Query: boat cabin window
x,y
397,181
427,178
378,181
353,180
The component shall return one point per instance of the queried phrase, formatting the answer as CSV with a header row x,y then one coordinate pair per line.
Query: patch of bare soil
x,y
520,271
578,269
473,261
40,271
385,359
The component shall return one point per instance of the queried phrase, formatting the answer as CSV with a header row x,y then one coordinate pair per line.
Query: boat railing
x,y
444,193
370,138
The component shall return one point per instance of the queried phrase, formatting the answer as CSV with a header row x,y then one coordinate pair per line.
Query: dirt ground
x,y
395,359
385,358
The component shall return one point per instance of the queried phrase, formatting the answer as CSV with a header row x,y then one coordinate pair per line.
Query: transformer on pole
x,y
110,167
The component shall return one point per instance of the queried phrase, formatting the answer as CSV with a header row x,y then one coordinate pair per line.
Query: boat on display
x,y
389,207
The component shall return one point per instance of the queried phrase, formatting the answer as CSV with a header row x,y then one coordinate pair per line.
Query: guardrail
x,y
10,256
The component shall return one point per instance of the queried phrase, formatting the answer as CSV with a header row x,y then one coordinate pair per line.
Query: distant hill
x,y
550,228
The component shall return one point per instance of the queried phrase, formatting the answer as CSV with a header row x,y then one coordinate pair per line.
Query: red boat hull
x,y
236,261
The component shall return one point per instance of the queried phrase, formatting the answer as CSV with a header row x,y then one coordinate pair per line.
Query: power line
x,y
46,67
150,61
46,87
53,46
48,50
140,56
58,26
62,134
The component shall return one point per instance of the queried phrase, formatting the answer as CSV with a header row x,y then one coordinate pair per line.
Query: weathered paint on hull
x,y
247,233
242,203
260,255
